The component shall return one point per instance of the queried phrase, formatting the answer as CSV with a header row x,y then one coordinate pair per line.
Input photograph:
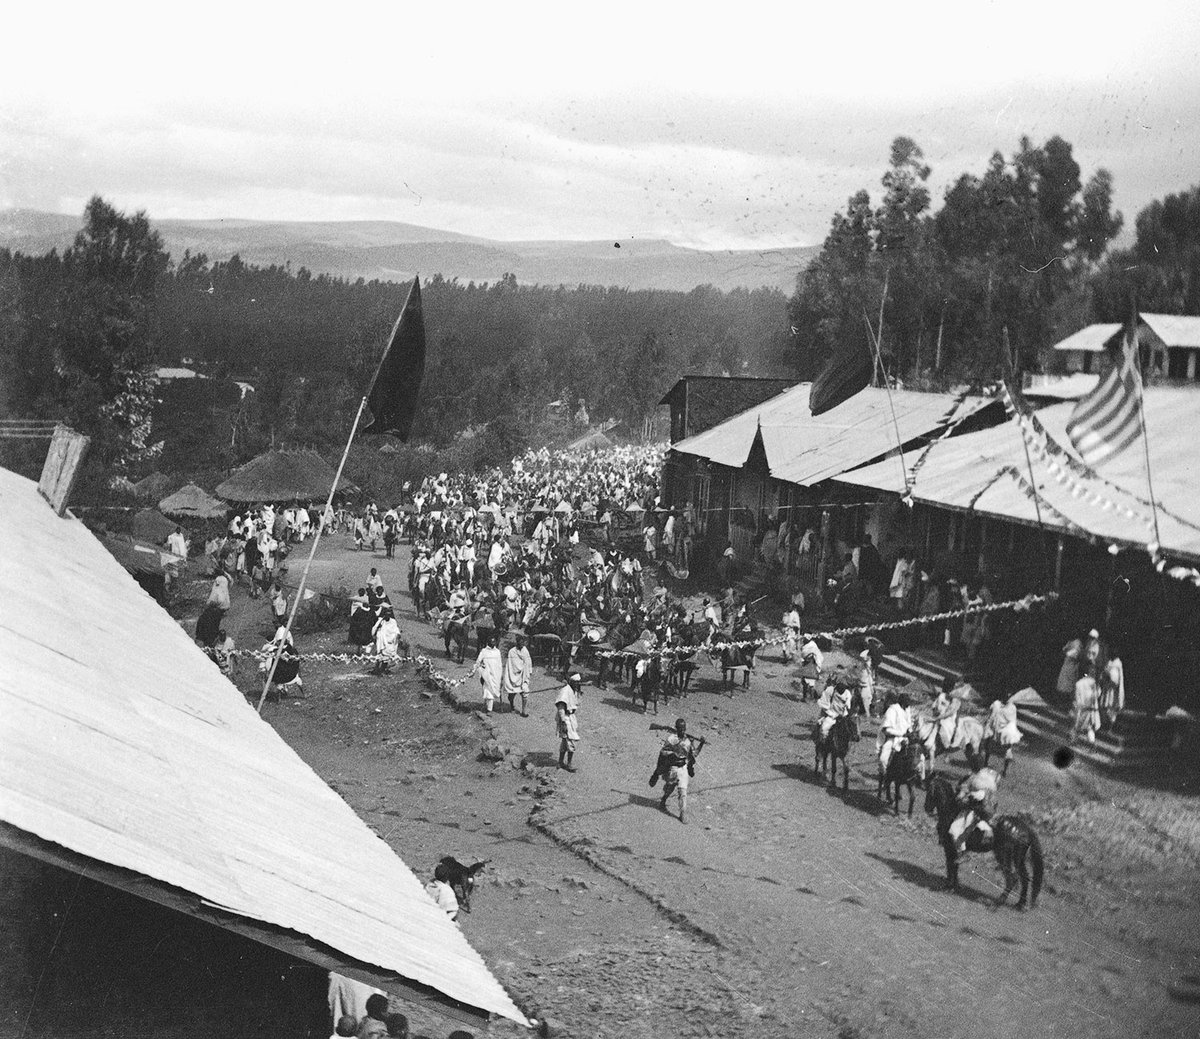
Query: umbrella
x,y
563,507
635,507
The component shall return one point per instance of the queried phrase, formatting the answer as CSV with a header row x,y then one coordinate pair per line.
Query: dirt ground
x,y
781,908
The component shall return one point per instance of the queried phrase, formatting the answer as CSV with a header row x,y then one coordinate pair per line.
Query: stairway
x,y
1138,741
908,665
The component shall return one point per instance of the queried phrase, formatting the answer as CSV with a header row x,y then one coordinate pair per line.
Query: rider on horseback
x,y
834,703
894,729
977,803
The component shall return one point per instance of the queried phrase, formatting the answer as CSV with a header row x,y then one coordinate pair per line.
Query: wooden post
x,y
822,559
311,552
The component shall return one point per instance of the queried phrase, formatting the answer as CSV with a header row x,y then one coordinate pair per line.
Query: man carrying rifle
x,y
676,763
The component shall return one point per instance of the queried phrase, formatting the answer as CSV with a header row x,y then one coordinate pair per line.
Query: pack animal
x,y
462,879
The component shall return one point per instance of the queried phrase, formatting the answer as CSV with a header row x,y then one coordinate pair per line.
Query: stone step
x,y
905,667
1110,750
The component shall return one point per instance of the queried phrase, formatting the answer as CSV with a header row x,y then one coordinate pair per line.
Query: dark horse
x,y
843,732
1014,843
904,769
650,685
457,630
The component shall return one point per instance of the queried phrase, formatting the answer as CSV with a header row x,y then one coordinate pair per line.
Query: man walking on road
x,y
676,764
566,708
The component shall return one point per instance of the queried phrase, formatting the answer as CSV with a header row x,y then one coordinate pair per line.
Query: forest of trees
x,y
78,332
1016,248
1018,254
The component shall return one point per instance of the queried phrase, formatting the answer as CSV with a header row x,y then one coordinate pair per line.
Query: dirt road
x,y
780,909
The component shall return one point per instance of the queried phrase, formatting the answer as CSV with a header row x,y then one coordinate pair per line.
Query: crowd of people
x,y
568,548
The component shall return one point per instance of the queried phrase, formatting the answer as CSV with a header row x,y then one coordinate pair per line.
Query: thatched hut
x,y
151,525
282,476
153,486
193,502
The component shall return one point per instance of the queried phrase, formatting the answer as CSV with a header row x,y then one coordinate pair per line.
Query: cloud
x,y
545,121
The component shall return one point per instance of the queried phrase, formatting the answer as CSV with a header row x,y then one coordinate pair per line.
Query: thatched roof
x,y
282,476
594,440
193,501
152,486
151,525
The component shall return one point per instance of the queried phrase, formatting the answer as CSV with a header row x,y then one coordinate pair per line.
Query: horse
x,y
968,732
904,769
835,745
1014,842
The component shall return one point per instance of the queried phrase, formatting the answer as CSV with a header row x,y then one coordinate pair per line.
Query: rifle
x,y
671,728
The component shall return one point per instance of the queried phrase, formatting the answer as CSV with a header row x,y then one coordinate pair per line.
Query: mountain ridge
x,y
393,251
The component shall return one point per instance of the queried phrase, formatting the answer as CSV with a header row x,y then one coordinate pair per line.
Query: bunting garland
x,y
949,424
1067,471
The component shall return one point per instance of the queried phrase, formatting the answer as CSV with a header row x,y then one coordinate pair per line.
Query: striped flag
x,y
1109,419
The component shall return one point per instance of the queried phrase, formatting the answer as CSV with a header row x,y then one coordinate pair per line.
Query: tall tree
x,y
103,348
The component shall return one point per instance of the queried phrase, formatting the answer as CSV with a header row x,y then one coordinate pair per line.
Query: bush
x,y
326,610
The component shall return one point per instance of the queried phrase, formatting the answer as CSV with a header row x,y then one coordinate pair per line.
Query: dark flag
x,y
392,397
845,373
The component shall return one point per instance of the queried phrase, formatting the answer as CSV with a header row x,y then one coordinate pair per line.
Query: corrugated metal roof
x,y
975,471
1175,329
1061,387
121,741
1093,339
805,450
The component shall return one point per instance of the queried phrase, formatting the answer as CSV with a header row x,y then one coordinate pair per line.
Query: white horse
x,y
964,731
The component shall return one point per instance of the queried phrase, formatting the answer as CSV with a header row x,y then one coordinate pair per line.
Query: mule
x,y
835,745
1014,842
904,769
650,685
457,630
733,660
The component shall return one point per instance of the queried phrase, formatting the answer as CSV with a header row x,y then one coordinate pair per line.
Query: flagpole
x,y
1037,504
329,505
311,553
1145,435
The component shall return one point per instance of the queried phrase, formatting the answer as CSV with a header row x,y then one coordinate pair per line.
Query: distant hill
x,y
394,251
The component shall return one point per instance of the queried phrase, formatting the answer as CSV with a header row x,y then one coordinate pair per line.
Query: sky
x,y
743,125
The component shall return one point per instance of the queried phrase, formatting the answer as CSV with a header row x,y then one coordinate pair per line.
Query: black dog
x,y
462,879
